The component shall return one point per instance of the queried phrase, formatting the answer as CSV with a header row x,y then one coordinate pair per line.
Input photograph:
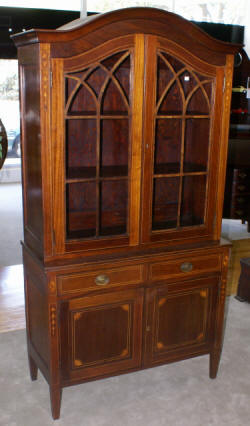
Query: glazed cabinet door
x,y
96,175
181,142
101,334
179,319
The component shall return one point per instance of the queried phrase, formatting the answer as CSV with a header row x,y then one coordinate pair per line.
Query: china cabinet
x,y
124,143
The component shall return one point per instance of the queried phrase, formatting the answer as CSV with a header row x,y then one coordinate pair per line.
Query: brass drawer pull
x,y
241,187
102,279
186,267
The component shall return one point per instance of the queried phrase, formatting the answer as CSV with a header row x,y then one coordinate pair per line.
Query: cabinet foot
x,y
55,400
214,364
33,369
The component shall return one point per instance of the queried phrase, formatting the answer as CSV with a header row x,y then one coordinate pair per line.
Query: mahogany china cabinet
x,y
124,144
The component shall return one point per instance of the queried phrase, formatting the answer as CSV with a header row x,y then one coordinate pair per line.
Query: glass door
x,y
180,140
97,140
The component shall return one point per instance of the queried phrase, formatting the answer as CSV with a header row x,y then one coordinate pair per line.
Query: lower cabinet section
x,y
94,321
179,319
101,334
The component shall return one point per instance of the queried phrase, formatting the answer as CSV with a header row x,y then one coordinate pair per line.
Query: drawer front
x,y
184,267
101,278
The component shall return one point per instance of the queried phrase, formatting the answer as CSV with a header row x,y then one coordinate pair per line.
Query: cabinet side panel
x,y
38,319
31,145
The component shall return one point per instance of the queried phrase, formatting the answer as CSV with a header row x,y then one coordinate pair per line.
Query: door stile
x,y
227,82
148,135
136,137
58,156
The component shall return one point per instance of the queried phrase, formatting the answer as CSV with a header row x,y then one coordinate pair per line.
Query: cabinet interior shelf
x,y
181,116
115,231
82,174
94,115
173,169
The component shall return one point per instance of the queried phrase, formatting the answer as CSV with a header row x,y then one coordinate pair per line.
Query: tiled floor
x,y
12,315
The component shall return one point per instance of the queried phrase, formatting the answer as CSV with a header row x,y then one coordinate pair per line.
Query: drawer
x,y
101,278
188,266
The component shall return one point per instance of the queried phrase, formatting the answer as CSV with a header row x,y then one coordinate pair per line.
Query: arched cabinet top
x,y
84,34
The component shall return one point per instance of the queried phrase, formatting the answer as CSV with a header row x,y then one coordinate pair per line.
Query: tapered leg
x,y
33,368
55,400
214,364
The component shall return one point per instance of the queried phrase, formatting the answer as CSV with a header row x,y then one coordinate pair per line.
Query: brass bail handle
x,y
186,267
102,279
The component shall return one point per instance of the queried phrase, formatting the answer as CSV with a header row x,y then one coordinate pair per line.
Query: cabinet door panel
x,y
179,319
97,104
179,139
103,332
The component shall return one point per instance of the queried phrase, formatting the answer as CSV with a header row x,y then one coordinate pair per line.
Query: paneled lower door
x,y
179,318
102,334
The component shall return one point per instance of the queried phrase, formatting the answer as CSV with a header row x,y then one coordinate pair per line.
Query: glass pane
x,y
81,100
167,146
111,61
96,80
165,203
113,210
122,74
198,103
114,148
81,209
208,89
188,82
174,63
114,100
164,75
172,101
169,97
196,145
81,148
193,200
